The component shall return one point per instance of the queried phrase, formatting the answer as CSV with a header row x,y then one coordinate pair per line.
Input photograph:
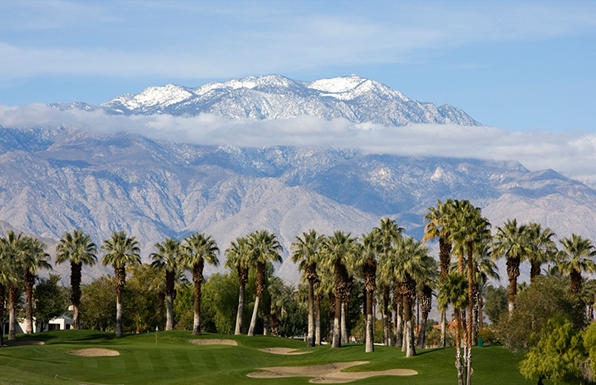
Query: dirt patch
x,y
94,352
213,341
284,351
22,343
328,374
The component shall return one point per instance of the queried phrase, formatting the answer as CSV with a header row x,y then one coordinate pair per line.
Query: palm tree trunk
x,y
29,281
239,313
534,269
370,347
575,282
310,342
196,326
318,321
12,312
336,323
253,319
169,312
512,273
458,361
409,334
267,315
2,292
332,305
75,295
471,300
443,328
344,326
119,314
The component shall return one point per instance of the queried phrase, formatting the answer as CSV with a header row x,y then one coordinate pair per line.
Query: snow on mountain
x,y
350,97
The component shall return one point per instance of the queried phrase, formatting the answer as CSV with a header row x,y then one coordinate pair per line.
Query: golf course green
x,y
169,358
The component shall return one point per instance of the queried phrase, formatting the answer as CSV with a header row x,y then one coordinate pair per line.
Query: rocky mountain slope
x,y
54,180
351,97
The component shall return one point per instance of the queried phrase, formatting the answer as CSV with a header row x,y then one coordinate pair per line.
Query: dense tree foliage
x,y
50,300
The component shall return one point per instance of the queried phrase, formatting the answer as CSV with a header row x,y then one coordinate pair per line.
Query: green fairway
x,y
176,361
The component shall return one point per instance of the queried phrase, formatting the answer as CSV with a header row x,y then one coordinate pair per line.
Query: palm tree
x,y
388,233
438,227
469,229
8,278
426,285
338,256
410,261
306,252
15,247
453,292
167,258
511,242
368,259
197,250
238,257
265,247
79,250
34,258
121,251
541,247
576,259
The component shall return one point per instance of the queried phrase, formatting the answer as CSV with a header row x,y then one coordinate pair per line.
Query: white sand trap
x,y
95,352
328,374
22,343
213,341
284,351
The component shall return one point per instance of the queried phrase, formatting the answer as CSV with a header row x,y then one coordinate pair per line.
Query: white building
x,y
60,323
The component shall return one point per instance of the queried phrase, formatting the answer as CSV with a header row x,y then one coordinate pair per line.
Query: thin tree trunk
x,y
169,312
471,300
332,305
458,361
119,315
443,328
386,332
253,319
239,313
310,342
75,295
196,326
512,273
409,334
370,346
267,316
29,282
318,321
336,323
2,292
344,326
12,312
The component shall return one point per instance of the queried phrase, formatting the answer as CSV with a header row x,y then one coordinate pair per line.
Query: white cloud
x,y
570,153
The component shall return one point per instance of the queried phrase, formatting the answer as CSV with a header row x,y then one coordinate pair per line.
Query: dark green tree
x,y
50,300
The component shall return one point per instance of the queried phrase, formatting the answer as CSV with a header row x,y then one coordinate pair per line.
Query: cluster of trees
x,y
349,276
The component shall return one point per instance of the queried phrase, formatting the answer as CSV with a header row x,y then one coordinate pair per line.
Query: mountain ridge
x,y
359,100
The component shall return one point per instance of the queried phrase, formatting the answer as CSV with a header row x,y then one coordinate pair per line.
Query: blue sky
x,y
522,66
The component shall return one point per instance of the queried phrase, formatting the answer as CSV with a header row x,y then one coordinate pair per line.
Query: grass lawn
x,y
176,361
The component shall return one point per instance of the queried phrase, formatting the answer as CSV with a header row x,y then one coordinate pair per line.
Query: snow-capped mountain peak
x,y
352,97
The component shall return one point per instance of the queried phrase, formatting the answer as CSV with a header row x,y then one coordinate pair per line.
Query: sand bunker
x,y
284,351
328,374
94,352
213,341
22,343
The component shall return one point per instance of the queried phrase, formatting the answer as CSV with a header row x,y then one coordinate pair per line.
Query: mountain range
x,y
356,99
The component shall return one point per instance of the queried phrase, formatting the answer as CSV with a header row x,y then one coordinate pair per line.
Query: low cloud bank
x,y
570,153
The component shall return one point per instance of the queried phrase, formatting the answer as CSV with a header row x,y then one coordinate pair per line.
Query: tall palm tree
x,y
511,243
306,252
541,248
453,292
167,258
438,227
34,258
368,259
77,248
238,256
197,250
388,233
8,278
15,247
470,230
121,251
338,254
409,260
265,248
576,254
426,284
